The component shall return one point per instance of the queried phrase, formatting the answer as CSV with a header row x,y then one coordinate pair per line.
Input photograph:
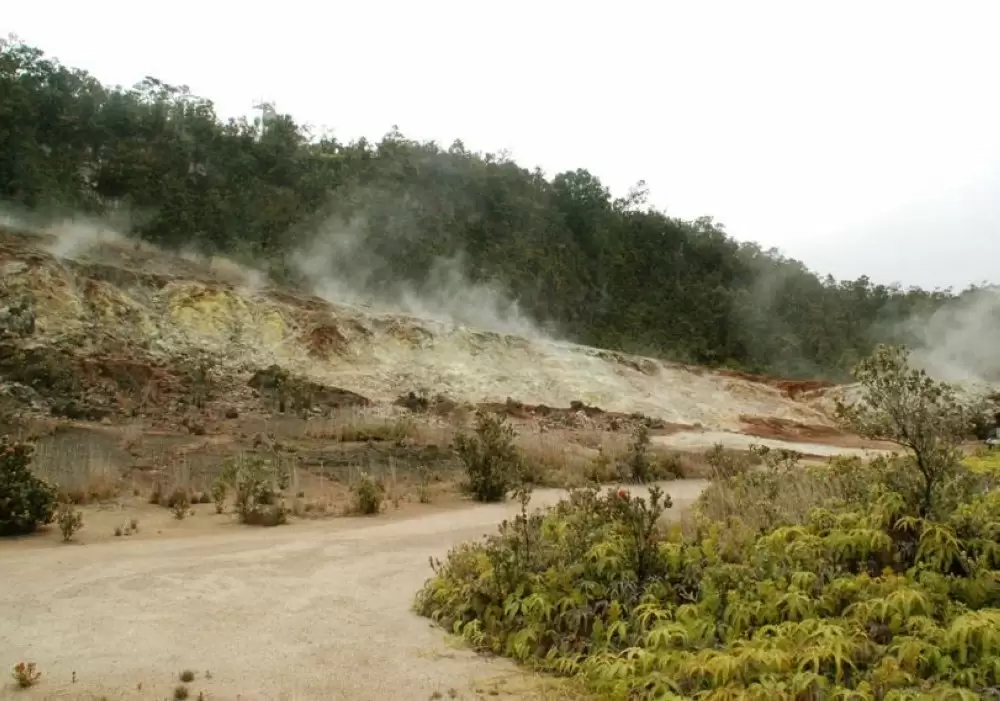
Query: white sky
x,y
858,137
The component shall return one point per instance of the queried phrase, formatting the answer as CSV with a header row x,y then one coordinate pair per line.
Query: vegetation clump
x,y
70,521
26,501
258,485
369,493
848,580
492,461
25,675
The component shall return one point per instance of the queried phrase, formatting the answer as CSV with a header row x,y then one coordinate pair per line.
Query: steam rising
x,y
341,266
960,342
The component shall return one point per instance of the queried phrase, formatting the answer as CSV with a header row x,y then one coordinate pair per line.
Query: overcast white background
x,y
858,137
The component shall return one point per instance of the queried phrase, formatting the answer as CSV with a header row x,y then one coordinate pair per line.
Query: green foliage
x,y
492,461
258,484
788,582
564,247
219,493
70,521
25,500
369,493
907,407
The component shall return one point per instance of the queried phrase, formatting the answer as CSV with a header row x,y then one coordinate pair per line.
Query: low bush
x,y
70,521
25,674
219,493
179,503
369,493
26,501
258,485
492,461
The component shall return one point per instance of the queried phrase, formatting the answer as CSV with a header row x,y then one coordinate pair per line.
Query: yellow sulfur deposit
x,y
211,313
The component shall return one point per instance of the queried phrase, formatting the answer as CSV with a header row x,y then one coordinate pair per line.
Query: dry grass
x,y
567,458
83,470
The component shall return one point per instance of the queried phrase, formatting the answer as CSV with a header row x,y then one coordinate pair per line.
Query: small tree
x,y
25,500
905,406
491,459
637,466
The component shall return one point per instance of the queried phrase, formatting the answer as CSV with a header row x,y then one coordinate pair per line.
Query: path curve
x,y
317,610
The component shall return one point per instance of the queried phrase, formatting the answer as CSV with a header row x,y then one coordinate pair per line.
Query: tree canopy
x,y
605,271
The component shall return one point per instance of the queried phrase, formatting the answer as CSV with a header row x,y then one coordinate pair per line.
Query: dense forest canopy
x,y
608,272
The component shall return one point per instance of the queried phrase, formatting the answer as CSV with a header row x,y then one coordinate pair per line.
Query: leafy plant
x,y
637,466
180,504
187,676
70,521
258,484
25,500
219,493
368,495
25,675
423,484
492,461
181,692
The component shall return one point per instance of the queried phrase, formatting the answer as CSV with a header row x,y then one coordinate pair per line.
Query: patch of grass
x,y
984,461
181,692
187,676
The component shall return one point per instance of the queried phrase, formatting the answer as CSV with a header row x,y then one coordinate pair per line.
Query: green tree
x,y
905,406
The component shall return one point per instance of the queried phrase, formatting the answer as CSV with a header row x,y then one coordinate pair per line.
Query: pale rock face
x,y
172,306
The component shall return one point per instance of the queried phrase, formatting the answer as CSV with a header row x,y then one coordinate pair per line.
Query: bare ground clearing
x,y
313,610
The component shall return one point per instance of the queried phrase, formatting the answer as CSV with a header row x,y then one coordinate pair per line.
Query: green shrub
x,y
492,461
368,495
835,581
258,486
219,492
25,500
70,521
637,466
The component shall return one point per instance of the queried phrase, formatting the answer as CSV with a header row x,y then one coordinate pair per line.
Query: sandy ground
x,y
313,610
703,440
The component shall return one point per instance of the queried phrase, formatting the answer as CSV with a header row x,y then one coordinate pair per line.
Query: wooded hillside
x,y
607,272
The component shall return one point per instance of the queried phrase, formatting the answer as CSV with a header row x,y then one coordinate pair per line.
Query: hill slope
x,y
124,325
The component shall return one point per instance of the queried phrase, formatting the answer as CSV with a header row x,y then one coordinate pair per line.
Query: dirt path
x,y
306,611
703,440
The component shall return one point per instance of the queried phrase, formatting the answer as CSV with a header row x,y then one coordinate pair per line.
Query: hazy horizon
x,y
856,138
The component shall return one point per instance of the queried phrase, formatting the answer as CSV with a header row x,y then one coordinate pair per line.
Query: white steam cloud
x,y
340,265
960,342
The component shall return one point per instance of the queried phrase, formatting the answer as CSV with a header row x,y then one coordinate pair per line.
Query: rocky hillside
x,y
121,328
